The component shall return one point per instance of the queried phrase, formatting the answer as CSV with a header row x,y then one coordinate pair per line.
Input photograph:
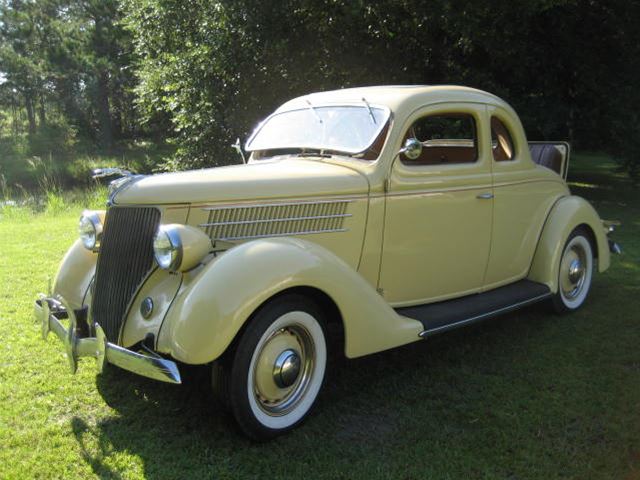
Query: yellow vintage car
x,y
393,213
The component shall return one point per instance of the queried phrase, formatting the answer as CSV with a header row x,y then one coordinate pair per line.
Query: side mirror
x,y
412,148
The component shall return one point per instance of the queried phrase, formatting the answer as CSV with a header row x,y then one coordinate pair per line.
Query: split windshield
x,y
347,129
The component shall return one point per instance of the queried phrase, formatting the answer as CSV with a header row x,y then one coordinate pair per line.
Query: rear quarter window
x,y
501,141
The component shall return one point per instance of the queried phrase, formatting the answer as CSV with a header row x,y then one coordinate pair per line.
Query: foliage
x,y
218,67
202,73
70,57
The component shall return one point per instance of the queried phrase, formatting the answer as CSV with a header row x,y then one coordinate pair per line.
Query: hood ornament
x,y
110,172
125,179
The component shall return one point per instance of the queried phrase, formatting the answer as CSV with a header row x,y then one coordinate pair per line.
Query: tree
x,y
22,41
217,67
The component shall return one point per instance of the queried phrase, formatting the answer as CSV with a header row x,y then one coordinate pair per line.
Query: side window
x,y
446,139
501,141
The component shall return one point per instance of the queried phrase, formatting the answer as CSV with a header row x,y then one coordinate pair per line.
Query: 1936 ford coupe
x,y
393,212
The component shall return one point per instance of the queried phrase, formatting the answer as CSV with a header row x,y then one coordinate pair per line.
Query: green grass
x,y
26,171
527,395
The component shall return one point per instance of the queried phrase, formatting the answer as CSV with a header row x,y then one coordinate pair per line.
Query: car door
x,y
437,228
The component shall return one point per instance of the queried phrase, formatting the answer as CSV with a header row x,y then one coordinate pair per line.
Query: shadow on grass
x,y
367,403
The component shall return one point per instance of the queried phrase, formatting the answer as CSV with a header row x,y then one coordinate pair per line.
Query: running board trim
x,y
477,318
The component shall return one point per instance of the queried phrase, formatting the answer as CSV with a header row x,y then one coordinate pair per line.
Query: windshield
x,y
349,129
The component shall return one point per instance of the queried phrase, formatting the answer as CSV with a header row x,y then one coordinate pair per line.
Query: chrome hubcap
x,y
283,370
576,270
286,368
573,272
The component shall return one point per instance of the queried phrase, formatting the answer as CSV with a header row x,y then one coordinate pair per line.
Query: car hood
x,y
258,180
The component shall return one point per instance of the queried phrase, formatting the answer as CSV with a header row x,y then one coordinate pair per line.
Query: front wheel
x,y
575,272
278,367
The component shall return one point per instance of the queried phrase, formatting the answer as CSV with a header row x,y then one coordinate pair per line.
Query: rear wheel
x,y
278,367
575,272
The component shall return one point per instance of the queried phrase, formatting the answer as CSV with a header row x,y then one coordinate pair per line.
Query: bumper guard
x,y
49,311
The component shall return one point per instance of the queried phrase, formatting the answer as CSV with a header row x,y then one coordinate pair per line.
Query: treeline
x,y
202,73
67,65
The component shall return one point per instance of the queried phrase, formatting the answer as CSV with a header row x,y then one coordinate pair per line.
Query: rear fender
x,y
567,214
214,303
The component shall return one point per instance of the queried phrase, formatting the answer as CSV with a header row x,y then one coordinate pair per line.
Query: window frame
x,y
467,115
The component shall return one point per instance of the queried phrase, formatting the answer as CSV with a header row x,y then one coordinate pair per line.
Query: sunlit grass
x,y
54,203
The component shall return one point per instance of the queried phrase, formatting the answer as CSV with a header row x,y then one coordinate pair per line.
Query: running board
x,y
442,316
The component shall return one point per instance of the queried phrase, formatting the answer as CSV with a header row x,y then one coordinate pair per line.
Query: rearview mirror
x,y
412,148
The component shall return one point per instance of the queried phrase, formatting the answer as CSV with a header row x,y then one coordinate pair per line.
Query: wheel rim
x,y
576,268
283,369
573,271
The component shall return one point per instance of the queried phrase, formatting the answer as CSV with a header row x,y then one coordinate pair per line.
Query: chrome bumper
x,y
49,311
615,247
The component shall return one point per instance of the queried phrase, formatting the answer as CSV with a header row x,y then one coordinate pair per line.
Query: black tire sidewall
x,y
255,329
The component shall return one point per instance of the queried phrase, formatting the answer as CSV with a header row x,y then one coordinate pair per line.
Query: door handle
x,y
485,196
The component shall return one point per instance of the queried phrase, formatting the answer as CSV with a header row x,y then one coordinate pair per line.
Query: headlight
x,y
180,247
167,248
90,229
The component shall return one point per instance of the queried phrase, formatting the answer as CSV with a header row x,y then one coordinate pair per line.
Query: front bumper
x,y
50,311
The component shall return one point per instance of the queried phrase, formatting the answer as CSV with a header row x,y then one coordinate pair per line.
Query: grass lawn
x,y
527,395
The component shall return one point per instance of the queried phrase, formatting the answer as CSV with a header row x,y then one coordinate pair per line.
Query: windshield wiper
x,y
373,119
314,154
322,153
315,112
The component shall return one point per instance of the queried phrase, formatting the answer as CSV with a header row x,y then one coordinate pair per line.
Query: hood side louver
x,y
274,220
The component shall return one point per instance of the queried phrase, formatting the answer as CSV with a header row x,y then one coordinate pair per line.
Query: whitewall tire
x,y
575,272
278,367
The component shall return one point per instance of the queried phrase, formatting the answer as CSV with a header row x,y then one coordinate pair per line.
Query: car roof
x,y
400,99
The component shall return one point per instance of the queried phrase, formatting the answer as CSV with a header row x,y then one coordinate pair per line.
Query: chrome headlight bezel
x,y
167,248
90,230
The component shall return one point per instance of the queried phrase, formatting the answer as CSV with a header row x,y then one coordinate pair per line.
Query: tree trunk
x,y
28,103
104,114
14,111
42,113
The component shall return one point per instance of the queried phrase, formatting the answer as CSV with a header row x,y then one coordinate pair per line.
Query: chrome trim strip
x,y
483,316
282,204
269,220
435,191
276,235
149,366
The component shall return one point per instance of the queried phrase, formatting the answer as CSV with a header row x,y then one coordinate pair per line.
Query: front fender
x,y
567,214
75,274
214,304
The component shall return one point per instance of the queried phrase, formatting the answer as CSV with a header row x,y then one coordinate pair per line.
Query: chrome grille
x,y
277,219
126,256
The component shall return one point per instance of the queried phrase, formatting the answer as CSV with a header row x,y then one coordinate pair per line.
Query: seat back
x,y
551,155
